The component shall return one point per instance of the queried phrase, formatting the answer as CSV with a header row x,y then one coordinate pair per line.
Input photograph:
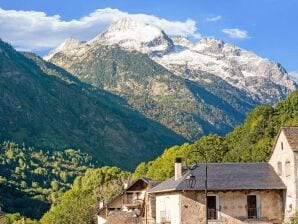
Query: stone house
x,y
237,192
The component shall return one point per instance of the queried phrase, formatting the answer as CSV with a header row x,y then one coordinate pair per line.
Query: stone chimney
x,y
178,168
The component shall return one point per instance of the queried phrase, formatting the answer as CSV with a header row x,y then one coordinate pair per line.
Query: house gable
x,y
284,161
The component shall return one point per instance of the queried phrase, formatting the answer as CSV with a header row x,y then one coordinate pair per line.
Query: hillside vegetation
x,y
80,204
31,180
250,142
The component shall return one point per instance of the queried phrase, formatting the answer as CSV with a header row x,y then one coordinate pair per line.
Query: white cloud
x,y
34,31
236,33
214,18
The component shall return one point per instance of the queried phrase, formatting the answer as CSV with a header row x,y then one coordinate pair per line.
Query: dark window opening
x,y
211,204
252,210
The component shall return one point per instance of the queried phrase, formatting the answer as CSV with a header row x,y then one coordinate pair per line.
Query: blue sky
x,y
267,27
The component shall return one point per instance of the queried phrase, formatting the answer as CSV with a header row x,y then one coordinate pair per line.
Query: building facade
x,y
237,192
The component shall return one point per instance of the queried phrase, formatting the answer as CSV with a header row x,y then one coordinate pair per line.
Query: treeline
x,y
250,142
31,180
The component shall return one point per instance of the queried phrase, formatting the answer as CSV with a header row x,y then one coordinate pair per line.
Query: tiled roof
x,y
291,134
227,176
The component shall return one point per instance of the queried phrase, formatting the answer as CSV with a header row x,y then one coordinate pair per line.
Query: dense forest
x,y
31,180
249,142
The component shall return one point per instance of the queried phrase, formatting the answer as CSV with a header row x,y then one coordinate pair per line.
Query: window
x,y
212,207
282,145
252,208
288,168
279,168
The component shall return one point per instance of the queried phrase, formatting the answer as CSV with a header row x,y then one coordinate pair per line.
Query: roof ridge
x,y
235,163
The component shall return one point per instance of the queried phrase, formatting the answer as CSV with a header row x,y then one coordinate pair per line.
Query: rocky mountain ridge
x,y
265,81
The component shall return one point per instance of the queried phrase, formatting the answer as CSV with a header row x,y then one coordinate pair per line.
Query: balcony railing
x,y
132,202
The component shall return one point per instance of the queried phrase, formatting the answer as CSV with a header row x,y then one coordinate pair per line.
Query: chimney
x,y
178,168
101,204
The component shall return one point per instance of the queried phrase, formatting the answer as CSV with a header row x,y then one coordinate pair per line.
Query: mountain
x,y
190,109
265,81
191,88
46,107
68,44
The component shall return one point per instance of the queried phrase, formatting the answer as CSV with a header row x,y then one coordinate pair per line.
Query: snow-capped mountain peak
x,y
135,35
67,45
264,80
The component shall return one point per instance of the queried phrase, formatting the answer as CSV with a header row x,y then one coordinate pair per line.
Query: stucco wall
x,y
168,203
285,154
232,207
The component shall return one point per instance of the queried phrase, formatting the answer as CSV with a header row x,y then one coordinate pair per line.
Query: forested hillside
x,y
46,107
250,142
31,180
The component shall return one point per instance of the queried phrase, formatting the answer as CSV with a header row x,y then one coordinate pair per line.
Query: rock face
x,y
133,35
192,88
265,81
44,106
67,45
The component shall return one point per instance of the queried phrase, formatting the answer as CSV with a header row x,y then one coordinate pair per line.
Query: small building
x,y
260,193
131,206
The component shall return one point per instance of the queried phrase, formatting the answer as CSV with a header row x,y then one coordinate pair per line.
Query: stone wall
x,y
282,153
232,207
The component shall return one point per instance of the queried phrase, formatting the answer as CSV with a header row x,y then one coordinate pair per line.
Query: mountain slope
x,y
192,88
265,81
44,106
188,108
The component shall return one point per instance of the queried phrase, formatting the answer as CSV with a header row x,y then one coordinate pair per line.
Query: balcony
x,y
132,203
